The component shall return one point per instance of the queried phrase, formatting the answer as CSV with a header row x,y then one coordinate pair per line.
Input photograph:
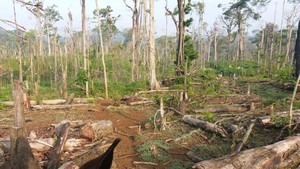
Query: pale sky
x,y
27,20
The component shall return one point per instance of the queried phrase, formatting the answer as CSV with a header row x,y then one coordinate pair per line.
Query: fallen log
x,y
234,99
205,125
281,155
56,107
222,108
97,129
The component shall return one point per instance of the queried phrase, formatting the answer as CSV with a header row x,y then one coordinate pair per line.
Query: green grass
x,y
153,150
213,150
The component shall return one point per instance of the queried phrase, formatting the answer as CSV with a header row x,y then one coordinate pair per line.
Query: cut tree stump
x,y
223,108
281,155
21,154
205,125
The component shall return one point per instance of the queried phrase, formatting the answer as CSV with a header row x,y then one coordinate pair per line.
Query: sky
x,y
27,19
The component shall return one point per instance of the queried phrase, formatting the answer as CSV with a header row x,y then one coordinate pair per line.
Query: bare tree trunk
x,y
48,38
18,45
260,47
102,51
84,43
153,82
281,31
180,47
55,59
64,68
41,42
241,41
134,73
272,41
215,44
288,45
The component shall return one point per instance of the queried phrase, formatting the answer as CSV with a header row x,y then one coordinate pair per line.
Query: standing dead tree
x,y
134,29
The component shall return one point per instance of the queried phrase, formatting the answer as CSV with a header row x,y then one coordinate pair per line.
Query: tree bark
x,y
18,45
102,51
284,154
205,125
153,82
83,20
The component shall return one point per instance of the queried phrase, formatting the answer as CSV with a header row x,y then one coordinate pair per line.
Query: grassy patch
x,y
179,164
214,150
154,150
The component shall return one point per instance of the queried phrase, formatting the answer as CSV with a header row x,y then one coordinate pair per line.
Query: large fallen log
x,y
57,107
205,125
281,155
222,108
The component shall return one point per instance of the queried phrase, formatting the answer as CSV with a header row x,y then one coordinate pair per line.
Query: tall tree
x,y
181,31
229,24
83,22
135,21
51,15
200,7
102,50
242,10
108,24
291,18
18,45
153,81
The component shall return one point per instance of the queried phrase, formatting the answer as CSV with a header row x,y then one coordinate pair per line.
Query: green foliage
x,y
119,89
153,150
2,107
243,68
190,53
210,117
179,164
279,121
283,75
81,78
214,150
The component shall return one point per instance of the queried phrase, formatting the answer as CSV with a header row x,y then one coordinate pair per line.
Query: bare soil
x,y
126,121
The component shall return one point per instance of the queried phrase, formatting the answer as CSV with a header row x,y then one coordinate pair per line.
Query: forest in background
x,y
113,63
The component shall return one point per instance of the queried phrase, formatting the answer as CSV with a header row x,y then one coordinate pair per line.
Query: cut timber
x,y
56,107
156,91
97,129
205,125
222,108
281,155
55,102
239,99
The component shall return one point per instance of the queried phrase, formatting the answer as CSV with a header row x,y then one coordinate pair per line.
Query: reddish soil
x,y
125,121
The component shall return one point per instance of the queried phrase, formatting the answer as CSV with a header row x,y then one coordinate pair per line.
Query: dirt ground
x,y
125,122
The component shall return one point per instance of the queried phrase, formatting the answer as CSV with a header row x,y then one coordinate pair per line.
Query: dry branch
x,y
246,136
56,151
205,125
283,154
